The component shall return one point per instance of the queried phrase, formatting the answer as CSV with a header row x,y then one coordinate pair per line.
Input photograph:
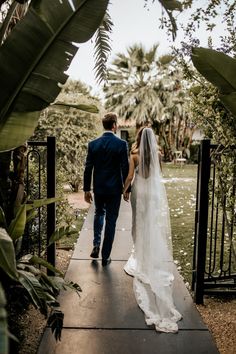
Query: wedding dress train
x,y
151,261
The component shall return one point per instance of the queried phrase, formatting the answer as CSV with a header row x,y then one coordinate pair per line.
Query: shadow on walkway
x,y
106,319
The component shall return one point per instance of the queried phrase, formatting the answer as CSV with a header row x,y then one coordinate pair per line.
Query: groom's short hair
x,y
108,120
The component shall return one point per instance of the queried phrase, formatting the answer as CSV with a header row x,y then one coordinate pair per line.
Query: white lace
x,y
151,261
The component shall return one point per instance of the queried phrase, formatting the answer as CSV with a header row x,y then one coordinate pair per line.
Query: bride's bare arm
x,y
130,174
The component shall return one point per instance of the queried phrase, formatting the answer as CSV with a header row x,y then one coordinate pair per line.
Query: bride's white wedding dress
x,y
151,261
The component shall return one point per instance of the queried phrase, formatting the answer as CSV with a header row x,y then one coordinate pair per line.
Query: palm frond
x,y
102,48
151,54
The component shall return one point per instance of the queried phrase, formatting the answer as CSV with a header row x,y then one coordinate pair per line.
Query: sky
x,y
132,24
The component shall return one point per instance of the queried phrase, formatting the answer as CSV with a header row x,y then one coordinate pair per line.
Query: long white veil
x,y
152,260
152,200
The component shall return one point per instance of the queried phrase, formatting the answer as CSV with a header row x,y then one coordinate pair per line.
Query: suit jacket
x,y
107,162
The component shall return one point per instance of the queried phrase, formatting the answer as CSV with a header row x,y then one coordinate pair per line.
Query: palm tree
x,y
147,89
133,89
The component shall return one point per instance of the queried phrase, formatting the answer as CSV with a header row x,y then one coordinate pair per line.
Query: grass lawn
x,y
181,185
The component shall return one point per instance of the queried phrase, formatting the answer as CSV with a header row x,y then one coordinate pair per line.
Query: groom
x,y
107,161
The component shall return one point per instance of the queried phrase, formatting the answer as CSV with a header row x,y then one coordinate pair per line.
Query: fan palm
x,y
136,87
144,88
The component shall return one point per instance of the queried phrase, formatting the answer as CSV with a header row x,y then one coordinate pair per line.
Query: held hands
x,y
126,196
88,197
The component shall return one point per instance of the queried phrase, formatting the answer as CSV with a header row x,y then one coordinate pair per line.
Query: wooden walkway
x,y
105,319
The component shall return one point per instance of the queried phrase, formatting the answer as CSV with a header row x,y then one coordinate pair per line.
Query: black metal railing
x,y
214,262
41,183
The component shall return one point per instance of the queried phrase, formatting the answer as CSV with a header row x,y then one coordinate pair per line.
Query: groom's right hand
x,y
88,197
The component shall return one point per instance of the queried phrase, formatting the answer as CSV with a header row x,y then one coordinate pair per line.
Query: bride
x,y
151,261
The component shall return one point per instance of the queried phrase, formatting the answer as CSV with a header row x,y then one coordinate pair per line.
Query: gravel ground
x,y
220,317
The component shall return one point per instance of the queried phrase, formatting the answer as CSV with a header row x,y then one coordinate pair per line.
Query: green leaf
x,y
61,232
61,283
55,321
17,128
34,289
37,203
31,214
31,71
229,102
216,67
7,255
3,222
82,107
41,261
171,5
17,225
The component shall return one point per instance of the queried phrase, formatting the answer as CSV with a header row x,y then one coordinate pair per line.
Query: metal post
x,y
51,193
201,239
196,223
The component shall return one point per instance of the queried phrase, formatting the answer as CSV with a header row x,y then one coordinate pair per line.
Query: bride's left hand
x,y
126,196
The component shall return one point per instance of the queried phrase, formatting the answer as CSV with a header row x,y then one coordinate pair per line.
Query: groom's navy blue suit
x,y
107,163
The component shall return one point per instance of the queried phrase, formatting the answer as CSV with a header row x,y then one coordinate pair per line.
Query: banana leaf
x,y
7,255
219,69
216,67
229,101
17,225
82,107
34,58
3,222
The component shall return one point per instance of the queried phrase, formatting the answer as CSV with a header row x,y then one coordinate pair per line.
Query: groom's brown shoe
x,y
95,252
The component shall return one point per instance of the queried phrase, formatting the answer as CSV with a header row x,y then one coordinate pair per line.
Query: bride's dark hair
x,y
136,144
145,166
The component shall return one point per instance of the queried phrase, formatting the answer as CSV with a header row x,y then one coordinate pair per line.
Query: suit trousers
x,y
106,207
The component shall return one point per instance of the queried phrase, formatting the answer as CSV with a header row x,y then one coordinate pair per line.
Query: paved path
x,y
106,318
